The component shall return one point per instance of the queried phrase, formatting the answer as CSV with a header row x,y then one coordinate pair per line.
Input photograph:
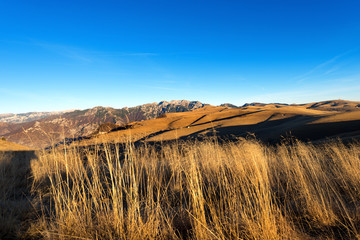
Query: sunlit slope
x,y
270,123
10,146
334,105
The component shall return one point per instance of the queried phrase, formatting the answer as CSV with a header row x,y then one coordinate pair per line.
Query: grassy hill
x,y
116,185
50,130
10,146
270,123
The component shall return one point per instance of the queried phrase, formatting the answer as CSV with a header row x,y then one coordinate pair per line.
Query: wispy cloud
x,y
139,54
160,85
85,55
122,54
66,51
324,68
161,88
331,70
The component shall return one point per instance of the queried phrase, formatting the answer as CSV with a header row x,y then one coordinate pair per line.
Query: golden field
x,y
186,190
10,146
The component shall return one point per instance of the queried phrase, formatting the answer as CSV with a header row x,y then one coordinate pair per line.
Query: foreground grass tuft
x,y
201,190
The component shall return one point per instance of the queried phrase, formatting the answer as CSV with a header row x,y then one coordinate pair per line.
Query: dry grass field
x,y
192,190
270,123
193,175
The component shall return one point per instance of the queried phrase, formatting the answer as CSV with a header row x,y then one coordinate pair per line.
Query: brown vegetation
x,y
198,190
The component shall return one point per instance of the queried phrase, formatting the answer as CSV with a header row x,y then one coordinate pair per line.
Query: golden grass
x,y
10,146
198,190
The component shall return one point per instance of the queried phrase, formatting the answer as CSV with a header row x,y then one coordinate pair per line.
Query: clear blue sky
x,y
58,55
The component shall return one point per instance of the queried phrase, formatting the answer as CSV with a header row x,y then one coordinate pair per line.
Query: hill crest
x,y
183,119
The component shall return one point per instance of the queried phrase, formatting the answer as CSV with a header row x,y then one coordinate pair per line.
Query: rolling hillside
x,y
268,122
53,129
184,119
10,146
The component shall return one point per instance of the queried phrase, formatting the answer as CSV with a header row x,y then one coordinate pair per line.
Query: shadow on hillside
x,y
266,131
15,184
222,119
343,130
275,131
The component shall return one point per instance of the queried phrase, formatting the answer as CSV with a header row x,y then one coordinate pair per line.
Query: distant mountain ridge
x,y
149,110
257,104
335,105
29,116
54,128
330,105
50,128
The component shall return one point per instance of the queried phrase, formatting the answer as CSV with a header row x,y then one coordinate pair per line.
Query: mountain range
x,y
270,123
44,129
28,117
184,119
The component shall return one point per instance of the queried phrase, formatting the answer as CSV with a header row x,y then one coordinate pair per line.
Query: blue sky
x,y
58,55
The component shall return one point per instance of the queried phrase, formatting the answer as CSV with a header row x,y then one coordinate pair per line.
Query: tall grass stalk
x,y
199,190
